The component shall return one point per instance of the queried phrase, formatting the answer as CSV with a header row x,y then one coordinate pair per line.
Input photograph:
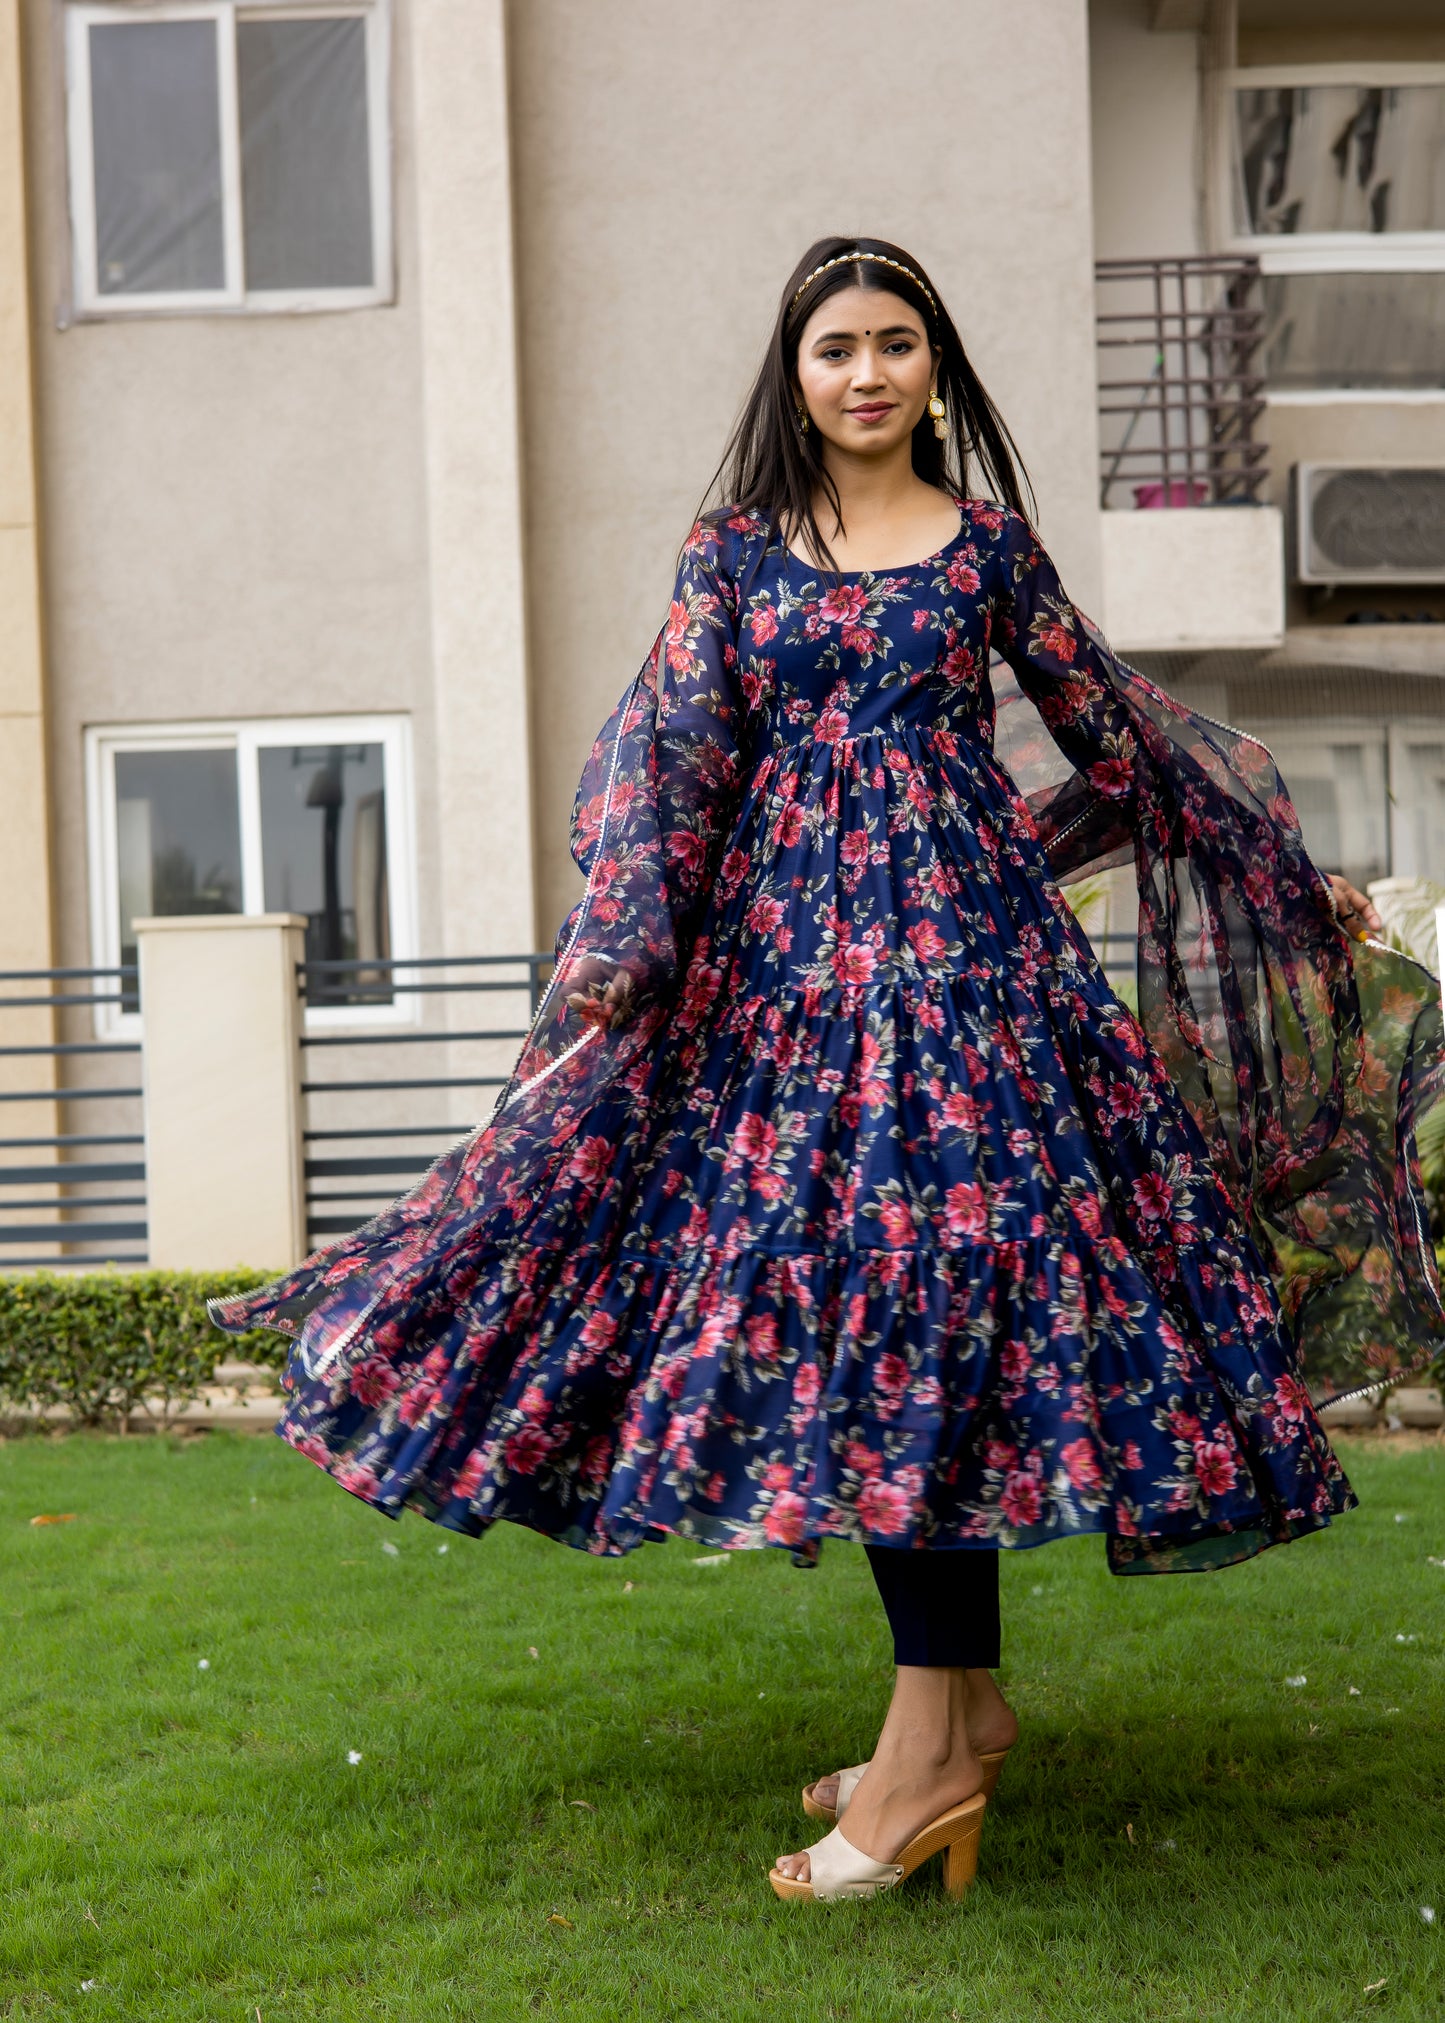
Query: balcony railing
x,y
72,1161
1181,390
78,1178
361,1154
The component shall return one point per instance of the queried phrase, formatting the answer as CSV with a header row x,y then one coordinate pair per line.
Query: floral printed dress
x,y
885,1220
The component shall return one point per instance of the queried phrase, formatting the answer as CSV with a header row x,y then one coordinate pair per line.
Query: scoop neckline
x,y
902,568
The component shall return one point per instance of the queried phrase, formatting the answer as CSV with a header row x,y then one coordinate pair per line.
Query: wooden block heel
x,y
960,1860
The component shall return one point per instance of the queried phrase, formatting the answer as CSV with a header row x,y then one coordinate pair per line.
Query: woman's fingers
x,y
1357,915
1363,907
605,996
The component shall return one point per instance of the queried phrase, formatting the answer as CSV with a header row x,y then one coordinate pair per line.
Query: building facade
x,y
1308,139
362,364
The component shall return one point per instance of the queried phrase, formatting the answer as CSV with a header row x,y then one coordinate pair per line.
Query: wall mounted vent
x,y
1372,523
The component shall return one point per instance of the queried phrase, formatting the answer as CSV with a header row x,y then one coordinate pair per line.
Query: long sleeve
x,y
654,806
1304,1061
657,800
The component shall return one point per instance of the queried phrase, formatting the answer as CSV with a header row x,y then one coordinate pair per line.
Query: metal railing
x,y
1181,385
73,1187
352,1164
58,1179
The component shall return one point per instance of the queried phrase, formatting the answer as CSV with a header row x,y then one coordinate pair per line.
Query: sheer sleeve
x,y
653,803
658,798
1304,1059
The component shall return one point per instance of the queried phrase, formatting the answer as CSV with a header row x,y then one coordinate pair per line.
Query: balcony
x,y
1192,555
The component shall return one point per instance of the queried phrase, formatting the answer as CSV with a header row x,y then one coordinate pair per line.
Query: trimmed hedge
x,y
100,1346
104,1344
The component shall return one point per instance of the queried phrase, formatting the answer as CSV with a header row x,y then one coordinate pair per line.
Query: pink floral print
x,y
873,1213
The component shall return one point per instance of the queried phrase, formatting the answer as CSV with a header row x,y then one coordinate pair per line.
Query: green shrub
x,y
104,1344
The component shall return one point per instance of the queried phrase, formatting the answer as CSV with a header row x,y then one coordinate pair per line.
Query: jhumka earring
x,y
939,413
802,414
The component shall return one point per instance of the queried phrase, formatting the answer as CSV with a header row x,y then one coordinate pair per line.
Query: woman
x,y
836,1194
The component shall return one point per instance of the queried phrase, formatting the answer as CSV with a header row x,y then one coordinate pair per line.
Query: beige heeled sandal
x,y
991,1759
838,1869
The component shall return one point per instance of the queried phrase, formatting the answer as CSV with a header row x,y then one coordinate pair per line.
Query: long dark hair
x,y
774,468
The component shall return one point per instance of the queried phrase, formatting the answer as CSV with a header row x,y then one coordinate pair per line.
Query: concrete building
x,y
362,364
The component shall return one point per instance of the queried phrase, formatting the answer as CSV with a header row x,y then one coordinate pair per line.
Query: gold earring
x,y
939,413
802,414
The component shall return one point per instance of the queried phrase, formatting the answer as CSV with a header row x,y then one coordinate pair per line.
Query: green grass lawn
x,y
570,1789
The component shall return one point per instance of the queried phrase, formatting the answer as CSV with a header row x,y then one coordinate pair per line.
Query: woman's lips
x,y
873,411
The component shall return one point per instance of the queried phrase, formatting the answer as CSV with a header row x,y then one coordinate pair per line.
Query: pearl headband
x,y
851,259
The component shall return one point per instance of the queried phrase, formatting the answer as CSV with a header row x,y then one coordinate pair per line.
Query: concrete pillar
x,y
222,1011
474,515
25,917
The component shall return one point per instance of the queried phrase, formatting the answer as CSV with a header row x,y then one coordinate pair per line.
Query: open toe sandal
x,y
838,1869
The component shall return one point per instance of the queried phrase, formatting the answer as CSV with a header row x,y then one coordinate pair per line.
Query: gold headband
x,y
849,260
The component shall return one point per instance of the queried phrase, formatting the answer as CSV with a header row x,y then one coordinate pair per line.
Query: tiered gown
x,y
872,1213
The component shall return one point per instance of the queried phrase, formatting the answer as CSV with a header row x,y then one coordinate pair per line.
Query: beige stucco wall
x,y
235,506
669,168
224,1174
1147,146
25,920
1337,429
486,896
1200,577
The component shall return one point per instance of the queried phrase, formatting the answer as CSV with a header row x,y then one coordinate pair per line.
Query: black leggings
x,y
942,1607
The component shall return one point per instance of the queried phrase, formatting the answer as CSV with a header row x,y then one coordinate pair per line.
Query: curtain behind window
x,y
305,153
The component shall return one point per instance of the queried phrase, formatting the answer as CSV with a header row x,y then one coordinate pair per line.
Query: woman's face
x,y
865,370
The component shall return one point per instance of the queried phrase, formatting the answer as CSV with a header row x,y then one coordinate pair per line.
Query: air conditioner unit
x,y
1369,523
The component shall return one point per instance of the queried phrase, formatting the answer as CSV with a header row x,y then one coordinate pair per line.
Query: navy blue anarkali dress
x,y
859,1205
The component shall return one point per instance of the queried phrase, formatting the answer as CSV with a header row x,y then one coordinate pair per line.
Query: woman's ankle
x,y
926,1713
992,1723
922,1752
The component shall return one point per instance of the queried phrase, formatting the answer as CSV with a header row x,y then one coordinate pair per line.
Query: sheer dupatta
x,y
1304,1059
654,807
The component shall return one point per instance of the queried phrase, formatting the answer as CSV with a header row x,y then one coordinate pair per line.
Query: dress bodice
x,y
826,658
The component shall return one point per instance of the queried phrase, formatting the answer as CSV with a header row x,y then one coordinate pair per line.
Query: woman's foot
x,y
988,1724
926,1759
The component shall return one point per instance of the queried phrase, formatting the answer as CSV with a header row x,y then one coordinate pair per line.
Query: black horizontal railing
x,y
59,1204
73,1095
356,1152
77,1196
340,1146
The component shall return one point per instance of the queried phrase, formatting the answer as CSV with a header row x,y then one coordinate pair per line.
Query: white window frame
x,y
233,297
1403,732
1320,252
247,737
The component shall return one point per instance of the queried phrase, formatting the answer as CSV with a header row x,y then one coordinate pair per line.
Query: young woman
x,y
836,1194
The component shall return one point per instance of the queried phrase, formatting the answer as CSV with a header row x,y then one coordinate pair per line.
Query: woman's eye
x,y
900,346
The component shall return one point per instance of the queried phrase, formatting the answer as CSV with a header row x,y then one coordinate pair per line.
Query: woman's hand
x,y
600,994
1356,915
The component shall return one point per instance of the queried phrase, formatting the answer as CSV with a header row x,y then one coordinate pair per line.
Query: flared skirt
x,y
900,1233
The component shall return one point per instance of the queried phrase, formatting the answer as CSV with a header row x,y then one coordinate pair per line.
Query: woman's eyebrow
x,y
850,336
